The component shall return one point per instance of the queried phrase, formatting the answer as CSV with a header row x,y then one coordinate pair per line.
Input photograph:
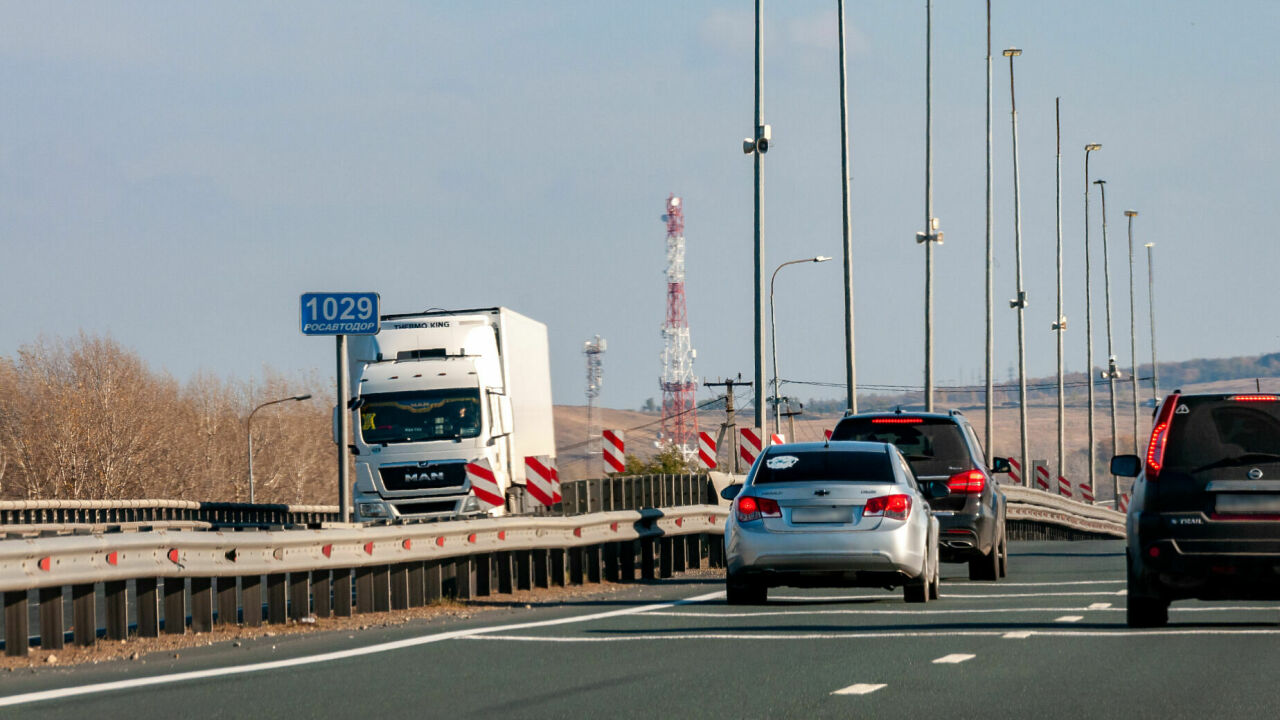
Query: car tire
x,y
917,589
986,567
1141,609
935,585
1004,554
745,592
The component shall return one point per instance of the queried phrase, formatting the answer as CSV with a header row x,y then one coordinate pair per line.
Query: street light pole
x,y
758,147
1112,370
248,430
989,439
850,368
1020,302
930,234
1133,331
1151,310
1060,326
773,337
1088,326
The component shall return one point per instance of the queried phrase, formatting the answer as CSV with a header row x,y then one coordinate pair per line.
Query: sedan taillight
x,y
753,508
893,507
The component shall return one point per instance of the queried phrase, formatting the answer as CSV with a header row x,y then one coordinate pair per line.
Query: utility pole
x,y
729,426
1151,309
1088,327
1060,327
930,234
790,415
1112,371
1133,331
757,148
850,369
991,346
1020,302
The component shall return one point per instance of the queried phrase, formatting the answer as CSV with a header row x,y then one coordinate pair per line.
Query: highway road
x,y
1049,642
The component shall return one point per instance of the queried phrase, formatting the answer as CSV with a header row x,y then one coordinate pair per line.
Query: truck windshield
x,y
420,416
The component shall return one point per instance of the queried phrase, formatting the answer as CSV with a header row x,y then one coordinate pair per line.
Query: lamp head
x,y
821,258
1012,52
302,397
1149,245
1131,213
1092,146
1099,182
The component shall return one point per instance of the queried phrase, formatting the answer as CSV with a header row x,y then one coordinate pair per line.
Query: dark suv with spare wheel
x,y
1204,520
944,447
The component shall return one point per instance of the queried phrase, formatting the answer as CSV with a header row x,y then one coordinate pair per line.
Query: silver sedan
x,y
836,514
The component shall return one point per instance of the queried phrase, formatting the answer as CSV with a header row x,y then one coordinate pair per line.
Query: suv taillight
x,y
969,482
753,508
893,507
1160,437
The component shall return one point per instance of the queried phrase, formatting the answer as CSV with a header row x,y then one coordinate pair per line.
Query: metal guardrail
x,y
1041,508
311,571
15,514
633,492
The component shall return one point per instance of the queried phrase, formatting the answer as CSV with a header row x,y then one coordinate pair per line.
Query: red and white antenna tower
x,y
679,414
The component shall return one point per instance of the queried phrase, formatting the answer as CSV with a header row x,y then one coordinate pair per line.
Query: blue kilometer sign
x,y
340,313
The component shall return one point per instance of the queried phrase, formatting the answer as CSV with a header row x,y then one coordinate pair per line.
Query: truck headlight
x,y
374,509
470,504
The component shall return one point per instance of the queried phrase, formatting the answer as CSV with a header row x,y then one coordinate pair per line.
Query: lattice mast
x,y
679,414
593,349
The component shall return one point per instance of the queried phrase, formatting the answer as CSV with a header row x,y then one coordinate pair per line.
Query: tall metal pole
x,y
344,430
759,217
1151,309
991,346
1060,326
929,229
1133,331
773,340
1020,302
1088,326
850,369
1111,354
248,431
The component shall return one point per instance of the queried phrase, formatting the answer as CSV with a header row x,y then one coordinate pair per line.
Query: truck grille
x,y
424,476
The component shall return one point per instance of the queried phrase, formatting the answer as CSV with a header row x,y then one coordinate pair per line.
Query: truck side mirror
x,y
1126,465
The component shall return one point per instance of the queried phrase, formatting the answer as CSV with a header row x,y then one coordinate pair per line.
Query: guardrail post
x,y
465,577
524,570
381,588
299,595
556,556
593,563
679,553
201,604
610,551
626,561
433,587
16,619
342,592
400,586
693,544
541,576
484,575
321,587
364,589
503,563
51,618
665,556
606,494
84,616
417,585
117,592
575,565
569,497
277,599
646,558
225,599
175,605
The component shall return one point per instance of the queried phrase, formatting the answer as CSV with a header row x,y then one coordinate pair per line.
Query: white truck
x,y
445,407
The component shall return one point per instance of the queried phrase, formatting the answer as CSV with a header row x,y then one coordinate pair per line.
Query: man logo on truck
x,y
424,476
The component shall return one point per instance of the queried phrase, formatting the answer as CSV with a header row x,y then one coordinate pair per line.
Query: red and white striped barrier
x,y
749,444
484,485
614,451
1042,477
1064,486
1123,505
777,439
555,483
540,480
1086,491
1015,471
707,451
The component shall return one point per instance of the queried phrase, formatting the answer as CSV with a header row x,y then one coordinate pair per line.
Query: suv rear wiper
x,y
1238,460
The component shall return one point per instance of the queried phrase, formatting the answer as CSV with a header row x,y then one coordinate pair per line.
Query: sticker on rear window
x,y
1182,410
781,462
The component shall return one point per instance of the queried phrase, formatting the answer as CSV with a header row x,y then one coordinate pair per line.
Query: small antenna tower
x,y
593,349
679,414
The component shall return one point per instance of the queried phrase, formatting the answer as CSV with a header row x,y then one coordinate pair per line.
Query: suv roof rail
x,y
954,412
897,410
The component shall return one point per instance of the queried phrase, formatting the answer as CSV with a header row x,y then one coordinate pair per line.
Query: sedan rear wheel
x,y
917,589
935,586
1004,555
986,567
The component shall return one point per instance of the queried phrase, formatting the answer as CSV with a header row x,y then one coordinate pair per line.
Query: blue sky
x,y
177,174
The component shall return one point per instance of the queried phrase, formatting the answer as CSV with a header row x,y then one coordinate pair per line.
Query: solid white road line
x,y
949,593
949,611
859,689
965,596
1017,634
330,656
953,659
1069,618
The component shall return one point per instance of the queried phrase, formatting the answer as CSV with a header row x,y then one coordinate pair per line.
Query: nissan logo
x,y
1255,474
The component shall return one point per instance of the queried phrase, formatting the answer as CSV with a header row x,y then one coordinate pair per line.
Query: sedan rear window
x,y
1221,432
933,446
825,466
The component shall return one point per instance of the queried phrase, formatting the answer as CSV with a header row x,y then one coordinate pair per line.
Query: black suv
x,y
943,446
1204,520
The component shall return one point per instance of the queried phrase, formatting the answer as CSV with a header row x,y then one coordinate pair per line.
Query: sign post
x,y
341,314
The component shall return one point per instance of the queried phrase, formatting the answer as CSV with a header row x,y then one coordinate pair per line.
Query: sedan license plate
x,y
834,514
1242,504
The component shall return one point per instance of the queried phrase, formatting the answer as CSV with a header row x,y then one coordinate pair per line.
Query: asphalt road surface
x,y
1047,642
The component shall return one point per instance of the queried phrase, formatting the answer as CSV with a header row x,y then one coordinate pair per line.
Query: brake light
x,y
1255,398
970,482
893,507
1160,437
896,421
753,508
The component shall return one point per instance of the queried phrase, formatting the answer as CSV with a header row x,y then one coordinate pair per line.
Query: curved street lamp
x,y
249,434
773,334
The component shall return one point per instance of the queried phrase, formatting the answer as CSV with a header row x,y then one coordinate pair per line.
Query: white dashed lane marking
x,y
1069,618
953,659
1099,606
1018,635
859,689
